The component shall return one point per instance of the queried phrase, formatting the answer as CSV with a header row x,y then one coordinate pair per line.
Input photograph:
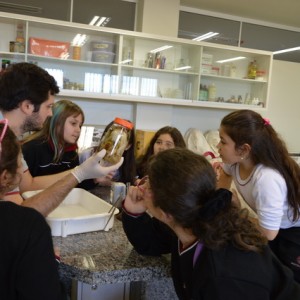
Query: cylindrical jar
x,y
115,140
212,92
76,52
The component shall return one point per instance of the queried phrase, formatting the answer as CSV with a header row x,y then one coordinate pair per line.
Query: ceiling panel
x,y
275,11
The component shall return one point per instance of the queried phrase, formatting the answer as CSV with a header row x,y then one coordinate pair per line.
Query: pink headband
x,y
266,121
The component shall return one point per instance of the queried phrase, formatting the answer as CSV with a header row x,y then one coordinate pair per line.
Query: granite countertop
x,y
107,257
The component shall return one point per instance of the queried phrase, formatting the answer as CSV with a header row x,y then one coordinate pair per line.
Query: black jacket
x,y
39,154
223,274
28,269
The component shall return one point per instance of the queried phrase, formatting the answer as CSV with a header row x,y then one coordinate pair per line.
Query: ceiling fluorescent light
x,y
230,59
286,50
94,20
106,21
82,40
205,36
76,39
99,23
161,49
182,68
79,40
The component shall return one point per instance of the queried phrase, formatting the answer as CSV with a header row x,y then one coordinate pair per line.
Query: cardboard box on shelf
x,y
142,140
206,69
49,48
207,59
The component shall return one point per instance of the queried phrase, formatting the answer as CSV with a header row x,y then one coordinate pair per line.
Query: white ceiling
x,y
272,11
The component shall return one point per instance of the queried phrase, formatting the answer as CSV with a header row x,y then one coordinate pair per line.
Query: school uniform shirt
x,y
265,191
39,155
222,274
28,266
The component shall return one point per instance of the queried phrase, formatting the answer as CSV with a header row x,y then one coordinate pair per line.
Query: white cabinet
x,y
115,291
231,77
134,67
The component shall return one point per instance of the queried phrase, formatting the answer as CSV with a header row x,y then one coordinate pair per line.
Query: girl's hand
x,y
137,181
57,254
134,202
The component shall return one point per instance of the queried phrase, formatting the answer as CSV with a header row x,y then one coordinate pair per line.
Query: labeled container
x,y
203,93
106,46
76,53
16,47
115,140
252,69
232,70
5,63
226,70
103,56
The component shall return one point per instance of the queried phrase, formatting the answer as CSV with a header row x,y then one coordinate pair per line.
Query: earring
x,y
242,157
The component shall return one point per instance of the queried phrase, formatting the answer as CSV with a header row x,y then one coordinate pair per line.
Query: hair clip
x,y
266,121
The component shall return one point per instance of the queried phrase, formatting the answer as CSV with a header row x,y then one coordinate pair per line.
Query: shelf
x,y
154,100
128,67
13,55
69,61
233,78
134,82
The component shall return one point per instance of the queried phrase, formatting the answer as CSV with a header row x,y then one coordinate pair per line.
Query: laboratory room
x,y
150,82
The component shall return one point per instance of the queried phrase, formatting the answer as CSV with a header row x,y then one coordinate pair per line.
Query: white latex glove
x,y
91,168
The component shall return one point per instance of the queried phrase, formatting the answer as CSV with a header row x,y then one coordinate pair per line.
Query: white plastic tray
x,y
79,212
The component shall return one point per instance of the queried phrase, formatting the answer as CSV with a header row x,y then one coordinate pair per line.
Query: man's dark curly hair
x,y
25,81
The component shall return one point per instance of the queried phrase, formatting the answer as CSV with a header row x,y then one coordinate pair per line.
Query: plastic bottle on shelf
x,y
212,92
232,70
252,69
20,33
20,40
163,62
204,93
249,69
76,52
226,70
149,60
157,60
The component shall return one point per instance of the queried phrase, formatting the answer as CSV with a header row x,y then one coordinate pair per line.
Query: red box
x,y
49,48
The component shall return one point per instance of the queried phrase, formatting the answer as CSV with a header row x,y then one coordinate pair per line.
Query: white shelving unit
x,y
127,74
